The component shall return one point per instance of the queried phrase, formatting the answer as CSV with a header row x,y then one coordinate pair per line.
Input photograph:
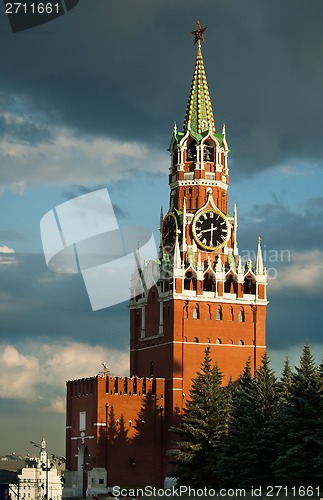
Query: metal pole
x,y
47,469
106,440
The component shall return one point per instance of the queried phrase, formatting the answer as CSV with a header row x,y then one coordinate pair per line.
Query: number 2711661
x,y
32,8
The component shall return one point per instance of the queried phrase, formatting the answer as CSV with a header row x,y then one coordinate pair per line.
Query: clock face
x,y
168,232
210,229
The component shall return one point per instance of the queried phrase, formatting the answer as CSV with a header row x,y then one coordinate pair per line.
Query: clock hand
x,y
210,229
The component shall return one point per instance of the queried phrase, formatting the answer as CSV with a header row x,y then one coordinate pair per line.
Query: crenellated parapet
x,y
114,386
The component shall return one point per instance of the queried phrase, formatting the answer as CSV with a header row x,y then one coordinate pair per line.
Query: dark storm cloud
x,y
129,77
292,245
36,303
77,190
289,325
315,205
283,228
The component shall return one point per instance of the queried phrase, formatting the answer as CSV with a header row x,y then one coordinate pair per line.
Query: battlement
x,y
133,386
81,387
115,386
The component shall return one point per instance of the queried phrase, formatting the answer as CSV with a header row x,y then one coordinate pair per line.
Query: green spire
x,y
199,114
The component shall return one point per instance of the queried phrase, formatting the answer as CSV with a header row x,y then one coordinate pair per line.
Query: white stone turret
x,y
177,254
43,452
259,261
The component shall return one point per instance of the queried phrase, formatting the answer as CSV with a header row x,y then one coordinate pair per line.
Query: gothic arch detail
x,y
196,312
231,284
241,315
218,315
190,281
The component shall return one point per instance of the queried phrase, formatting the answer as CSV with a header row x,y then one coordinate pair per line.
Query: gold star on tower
x,y
198,33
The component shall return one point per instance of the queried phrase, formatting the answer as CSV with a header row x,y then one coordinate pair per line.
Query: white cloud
x,y
304,271
57,406
61,157
18,374
294,170
37,376
5,249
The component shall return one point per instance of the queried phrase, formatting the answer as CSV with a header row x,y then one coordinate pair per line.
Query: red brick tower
x,y
117,428
206,295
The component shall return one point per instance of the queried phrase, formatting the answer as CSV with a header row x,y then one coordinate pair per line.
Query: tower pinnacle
x,y
199,114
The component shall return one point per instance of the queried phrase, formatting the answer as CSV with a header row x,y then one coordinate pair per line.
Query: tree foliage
x,y
202,428
299,446
259,431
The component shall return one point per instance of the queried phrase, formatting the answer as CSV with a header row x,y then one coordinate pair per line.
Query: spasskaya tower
x,y
206,295
117,428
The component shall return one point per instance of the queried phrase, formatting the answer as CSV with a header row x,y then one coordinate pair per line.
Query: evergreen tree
x,y
299,449
235,449
285,382
263,452
249,448
318,461
202,428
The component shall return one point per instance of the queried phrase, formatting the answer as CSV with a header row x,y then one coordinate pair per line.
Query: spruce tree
x,y
266,409
235,449
202,428
299,448
285,382
318,461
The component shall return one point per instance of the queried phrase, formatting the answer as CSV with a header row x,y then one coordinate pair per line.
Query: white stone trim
x,y
75,438
196,343
198,182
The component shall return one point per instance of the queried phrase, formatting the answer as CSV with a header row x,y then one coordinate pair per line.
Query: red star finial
x,y
198,33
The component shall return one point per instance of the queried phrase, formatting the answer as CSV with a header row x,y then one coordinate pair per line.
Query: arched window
x,y
191,151
175,159
241,315
218,341
231,313
249,285
231,285
209,311
209,282
196,340
241,342
196,312
208,151
218,316
190,281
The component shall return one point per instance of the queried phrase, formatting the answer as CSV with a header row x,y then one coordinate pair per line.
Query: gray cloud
x,y
132,79
78,190
36,303
282,228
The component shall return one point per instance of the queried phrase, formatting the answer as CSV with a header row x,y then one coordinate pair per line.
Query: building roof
x,y
8,476
199,115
